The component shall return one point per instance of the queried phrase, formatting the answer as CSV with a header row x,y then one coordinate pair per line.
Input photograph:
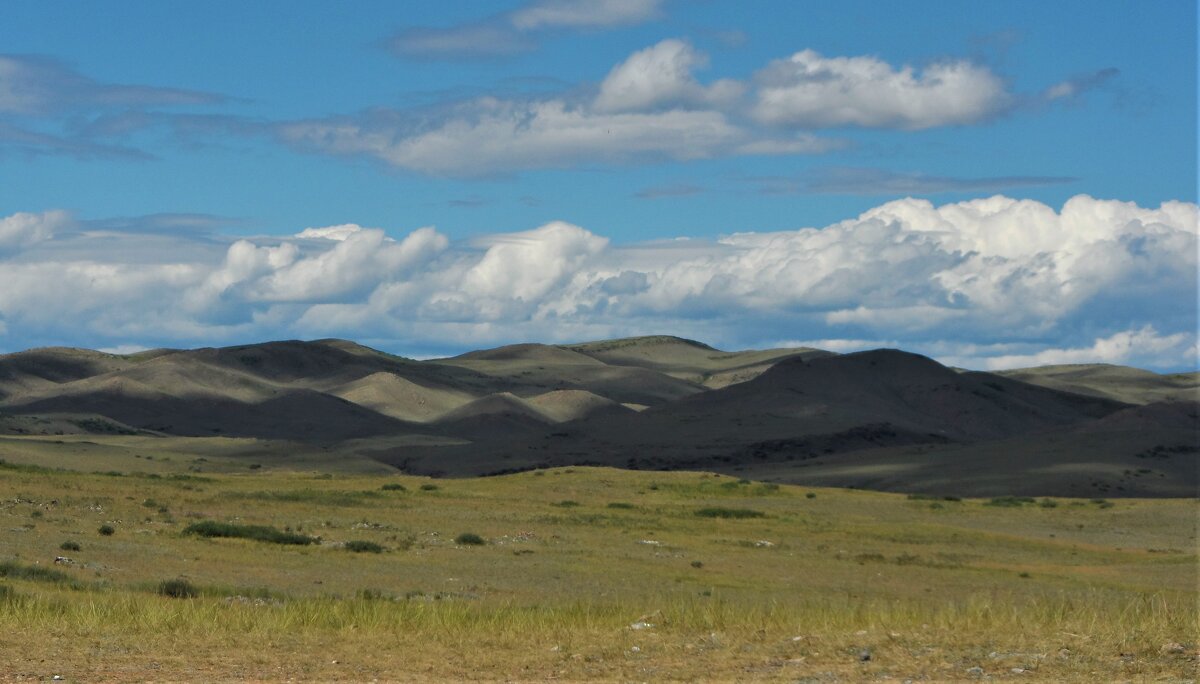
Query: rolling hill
x,y
882,419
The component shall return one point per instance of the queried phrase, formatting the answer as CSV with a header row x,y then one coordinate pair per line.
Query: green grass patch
x,y
263,533
394,487
469,539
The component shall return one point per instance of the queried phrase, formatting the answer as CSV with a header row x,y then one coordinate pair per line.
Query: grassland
x,y
585,573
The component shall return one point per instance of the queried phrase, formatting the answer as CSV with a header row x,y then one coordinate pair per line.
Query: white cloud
x,y
808,90
1142,345
338,232
24,229
490,135
991,282
584,13
661,76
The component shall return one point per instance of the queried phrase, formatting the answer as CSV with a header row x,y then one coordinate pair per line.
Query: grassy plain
x,y
585,574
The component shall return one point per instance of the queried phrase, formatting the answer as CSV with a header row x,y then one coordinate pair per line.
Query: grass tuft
x,y
723,512
469,539
176,588
212,528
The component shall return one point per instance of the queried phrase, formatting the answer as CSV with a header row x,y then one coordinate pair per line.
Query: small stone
x,y
1173,648
641,625
864,656
1018,670
860,632
333,662
57,678
635,649
975,671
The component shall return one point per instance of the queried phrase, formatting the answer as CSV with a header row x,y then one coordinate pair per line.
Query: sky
x,y
994,184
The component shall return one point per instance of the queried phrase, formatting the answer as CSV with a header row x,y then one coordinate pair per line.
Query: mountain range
x,y
881,419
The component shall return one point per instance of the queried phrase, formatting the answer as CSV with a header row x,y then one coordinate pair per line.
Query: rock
x,y
1173,648
975,671
864,656
641,625
1018,670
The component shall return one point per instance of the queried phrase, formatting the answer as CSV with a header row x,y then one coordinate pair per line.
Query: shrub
x,y
70,546
429,487
176,588
212,528
810,495
621,504
106,530
721,512
697,564
1048,503
469,539
361,546
567,503
394,487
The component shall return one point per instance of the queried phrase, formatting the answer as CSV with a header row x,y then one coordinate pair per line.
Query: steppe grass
x,y
797,589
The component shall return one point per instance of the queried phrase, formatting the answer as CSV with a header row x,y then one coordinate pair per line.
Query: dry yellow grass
x,y
577,563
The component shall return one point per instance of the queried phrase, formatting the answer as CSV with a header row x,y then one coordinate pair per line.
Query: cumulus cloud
x,y
648,108
988,282
1141,345
661,76
24,229
809,90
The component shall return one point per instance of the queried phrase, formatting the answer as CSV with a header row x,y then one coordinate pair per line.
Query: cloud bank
x,y
987,282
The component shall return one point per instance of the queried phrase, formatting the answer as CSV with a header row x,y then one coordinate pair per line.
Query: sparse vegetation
x,y
177,588
363,546
801,567
263,533
723,512
429,487
394,487
106,530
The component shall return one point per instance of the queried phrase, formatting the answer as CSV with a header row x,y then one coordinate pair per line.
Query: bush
x,y
361,546
697,564
212,528
567,503
394,487
621,504
810,495
720,512
469,539
106,530
70,546
429,487
176,588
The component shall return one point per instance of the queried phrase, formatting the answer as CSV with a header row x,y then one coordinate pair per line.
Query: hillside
x,y
883,419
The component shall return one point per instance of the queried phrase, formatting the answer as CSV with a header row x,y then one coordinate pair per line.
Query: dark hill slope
x,y
801,409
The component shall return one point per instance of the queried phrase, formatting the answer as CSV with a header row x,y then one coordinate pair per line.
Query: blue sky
x,y
632,122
